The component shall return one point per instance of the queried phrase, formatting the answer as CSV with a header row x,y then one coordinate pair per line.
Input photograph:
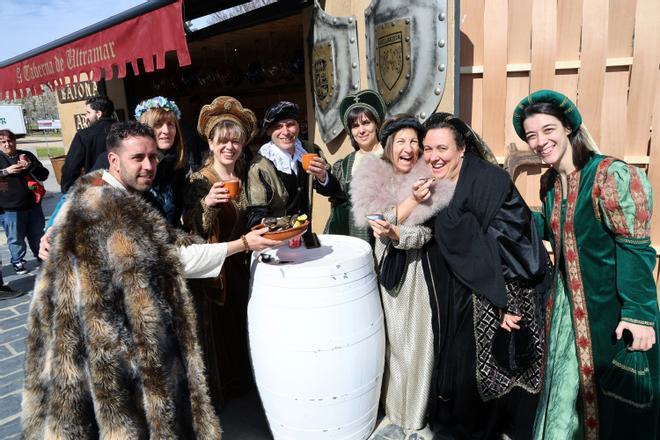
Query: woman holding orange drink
x,y
216,207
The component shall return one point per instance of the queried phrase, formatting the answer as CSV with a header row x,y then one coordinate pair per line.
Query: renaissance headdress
x,y
226,108
564,104
367,99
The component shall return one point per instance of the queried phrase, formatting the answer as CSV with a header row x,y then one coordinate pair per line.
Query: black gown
x,y
486,256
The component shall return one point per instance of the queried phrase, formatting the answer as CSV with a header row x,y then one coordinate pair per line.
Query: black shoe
x,y
20,269
7,292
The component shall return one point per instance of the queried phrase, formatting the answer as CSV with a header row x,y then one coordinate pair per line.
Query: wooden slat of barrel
x,y
621,28
569,31
472,51
614,123
517,87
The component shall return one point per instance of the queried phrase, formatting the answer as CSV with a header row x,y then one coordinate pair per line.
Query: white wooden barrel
x,y
317,340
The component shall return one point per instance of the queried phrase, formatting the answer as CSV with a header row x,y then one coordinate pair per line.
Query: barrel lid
x,y
337,254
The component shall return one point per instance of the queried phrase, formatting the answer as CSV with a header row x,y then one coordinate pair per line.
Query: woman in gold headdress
x,y
215,215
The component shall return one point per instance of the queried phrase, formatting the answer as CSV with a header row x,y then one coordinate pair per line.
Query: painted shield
x,y
323,71
407,53
392,58
335,68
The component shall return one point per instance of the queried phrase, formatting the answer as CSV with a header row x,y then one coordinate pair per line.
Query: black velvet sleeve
x,y
330,189
521,251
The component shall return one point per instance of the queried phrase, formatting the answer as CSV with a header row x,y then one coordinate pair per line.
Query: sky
x,y
28,24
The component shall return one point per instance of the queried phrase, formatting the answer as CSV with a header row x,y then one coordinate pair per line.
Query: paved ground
x,y
242,418
13,315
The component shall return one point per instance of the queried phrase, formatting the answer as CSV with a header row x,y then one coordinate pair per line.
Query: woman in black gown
x,y
486,276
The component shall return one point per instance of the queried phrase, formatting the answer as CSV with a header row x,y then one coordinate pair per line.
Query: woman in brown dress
x,y
218,216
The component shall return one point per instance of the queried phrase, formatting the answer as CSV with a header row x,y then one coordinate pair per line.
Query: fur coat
x,y
112,349
376,188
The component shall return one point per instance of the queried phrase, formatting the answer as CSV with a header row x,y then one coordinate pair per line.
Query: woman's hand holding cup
x,y
383,228
217,194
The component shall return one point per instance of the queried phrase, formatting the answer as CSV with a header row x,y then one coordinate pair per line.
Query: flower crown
x,y
157,102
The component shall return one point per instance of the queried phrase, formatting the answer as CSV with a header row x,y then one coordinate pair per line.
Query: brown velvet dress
x,y
221,302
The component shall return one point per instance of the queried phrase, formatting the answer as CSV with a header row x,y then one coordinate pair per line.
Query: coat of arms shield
x,y
407,53
335,68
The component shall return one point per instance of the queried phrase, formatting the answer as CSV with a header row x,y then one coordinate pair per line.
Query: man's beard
x,y
132,182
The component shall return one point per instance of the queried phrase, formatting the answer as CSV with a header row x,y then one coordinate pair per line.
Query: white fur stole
x,y
375,188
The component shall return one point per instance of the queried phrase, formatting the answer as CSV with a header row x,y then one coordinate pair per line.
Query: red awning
x,y
142,37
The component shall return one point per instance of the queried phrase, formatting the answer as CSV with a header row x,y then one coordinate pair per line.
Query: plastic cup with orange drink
x,y
233,186
307,159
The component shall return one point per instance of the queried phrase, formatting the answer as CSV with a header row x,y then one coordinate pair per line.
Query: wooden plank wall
x,y
604,54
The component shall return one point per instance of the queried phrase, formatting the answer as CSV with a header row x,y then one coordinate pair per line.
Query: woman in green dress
x,y
602,367
362,115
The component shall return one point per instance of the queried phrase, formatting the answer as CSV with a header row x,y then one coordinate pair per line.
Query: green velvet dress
x,y
604,260
341,220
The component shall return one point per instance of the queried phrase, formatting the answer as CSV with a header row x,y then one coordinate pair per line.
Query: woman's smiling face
x,y
548,138
226,147
442,154
405,149
364,132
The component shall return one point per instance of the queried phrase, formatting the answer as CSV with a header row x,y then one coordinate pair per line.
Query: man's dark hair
x,y
8,133
120,131
101,104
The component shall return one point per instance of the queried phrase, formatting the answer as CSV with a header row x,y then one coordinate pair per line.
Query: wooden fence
x,y
603,54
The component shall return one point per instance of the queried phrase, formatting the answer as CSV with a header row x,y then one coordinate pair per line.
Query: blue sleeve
x,y
51,220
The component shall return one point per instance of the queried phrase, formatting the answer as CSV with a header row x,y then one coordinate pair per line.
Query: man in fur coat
x,y
112,349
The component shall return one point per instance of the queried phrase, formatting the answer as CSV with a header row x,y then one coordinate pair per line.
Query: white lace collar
x,y
281,159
